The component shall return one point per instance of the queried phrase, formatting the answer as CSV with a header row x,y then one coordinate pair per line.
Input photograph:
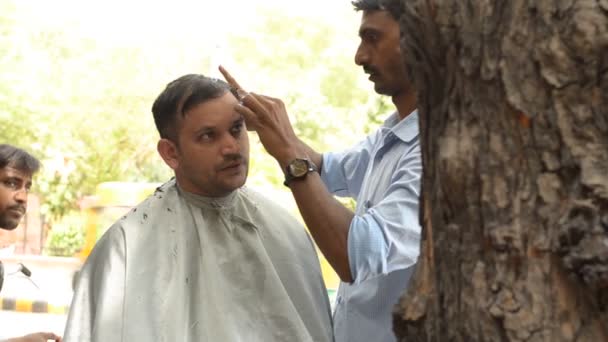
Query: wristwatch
x,y
298,169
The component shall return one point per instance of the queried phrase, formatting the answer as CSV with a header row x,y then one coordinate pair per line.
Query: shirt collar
x,y
406,129
219,203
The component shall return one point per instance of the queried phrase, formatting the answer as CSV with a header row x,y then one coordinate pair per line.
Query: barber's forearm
x,y
327,220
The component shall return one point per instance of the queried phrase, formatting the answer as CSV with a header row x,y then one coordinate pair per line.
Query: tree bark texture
x,y
513,106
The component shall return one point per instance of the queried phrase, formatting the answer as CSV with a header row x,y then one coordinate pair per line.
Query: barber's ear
x,y
168,151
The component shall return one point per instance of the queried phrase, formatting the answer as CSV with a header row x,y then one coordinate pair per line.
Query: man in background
x,y
16,170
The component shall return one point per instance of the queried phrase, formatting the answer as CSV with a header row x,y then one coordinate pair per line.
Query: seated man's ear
x,y
168,151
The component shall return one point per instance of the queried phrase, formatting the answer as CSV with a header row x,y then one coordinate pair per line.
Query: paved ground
x,y
13,323
50,283
48,290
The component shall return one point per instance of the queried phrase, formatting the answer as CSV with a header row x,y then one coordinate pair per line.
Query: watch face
x,y
298,168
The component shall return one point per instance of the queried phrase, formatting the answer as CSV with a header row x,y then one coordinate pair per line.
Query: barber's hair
x,y
391,6
16,158
180,96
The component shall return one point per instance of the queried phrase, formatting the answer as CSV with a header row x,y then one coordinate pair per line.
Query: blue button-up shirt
x,y
383,174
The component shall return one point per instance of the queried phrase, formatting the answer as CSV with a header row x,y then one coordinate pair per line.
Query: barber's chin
x,y
383,89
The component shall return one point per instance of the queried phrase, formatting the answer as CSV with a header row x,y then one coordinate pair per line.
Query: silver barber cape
x,y
181,267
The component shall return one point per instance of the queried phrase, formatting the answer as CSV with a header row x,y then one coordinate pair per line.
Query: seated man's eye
x,y
205,137
237,128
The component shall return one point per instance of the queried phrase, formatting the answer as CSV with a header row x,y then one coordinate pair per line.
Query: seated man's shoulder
x,y
153,209
275,214
271,201
139,223
274,207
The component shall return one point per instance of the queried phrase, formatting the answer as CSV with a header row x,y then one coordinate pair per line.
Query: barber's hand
x,y
37,337
268,117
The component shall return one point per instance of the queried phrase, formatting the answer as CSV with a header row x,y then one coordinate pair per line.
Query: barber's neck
x,y
406,103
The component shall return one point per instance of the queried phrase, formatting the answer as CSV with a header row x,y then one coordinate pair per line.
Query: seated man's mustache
x,y
232,159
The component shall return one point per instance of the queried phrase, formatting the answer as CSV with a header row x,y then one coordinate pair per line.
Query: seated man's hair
x,y
182,95
16,158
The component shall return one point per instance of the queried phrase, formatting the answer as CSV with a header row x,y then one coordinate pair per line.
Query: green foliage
x,y
80,99
377,111
66,237
78,107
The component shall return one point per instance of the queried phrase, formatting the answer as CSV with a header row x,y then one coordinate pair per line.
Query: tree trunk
x,y
513,105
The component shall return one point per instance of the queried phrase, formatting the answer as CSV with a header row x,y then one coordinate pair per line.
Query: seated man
x,y
16,170
204,258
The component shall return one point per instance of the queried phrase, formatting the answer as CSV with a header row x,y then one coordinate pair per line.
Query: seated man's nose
x,y
231,145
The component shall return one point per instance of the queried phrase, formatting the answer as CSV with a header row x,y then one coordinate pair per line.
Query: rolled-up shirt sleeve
x,y
386,236
343,172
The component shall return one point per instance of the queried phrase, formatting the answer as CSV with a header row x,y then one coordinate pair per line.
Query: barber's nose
x,y
361,55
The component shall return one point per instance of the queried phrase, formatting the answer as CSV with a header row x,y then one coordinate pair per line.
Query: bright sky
x,y
200,23
123,19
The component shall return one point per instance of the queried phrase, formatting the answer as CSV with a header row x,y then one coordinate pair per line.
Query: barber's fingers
x,y
233,83
254,101
271,104
39,337
251,119
260,111
277,111
50,336
276,107
240,92
258,105
246,98
270,99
